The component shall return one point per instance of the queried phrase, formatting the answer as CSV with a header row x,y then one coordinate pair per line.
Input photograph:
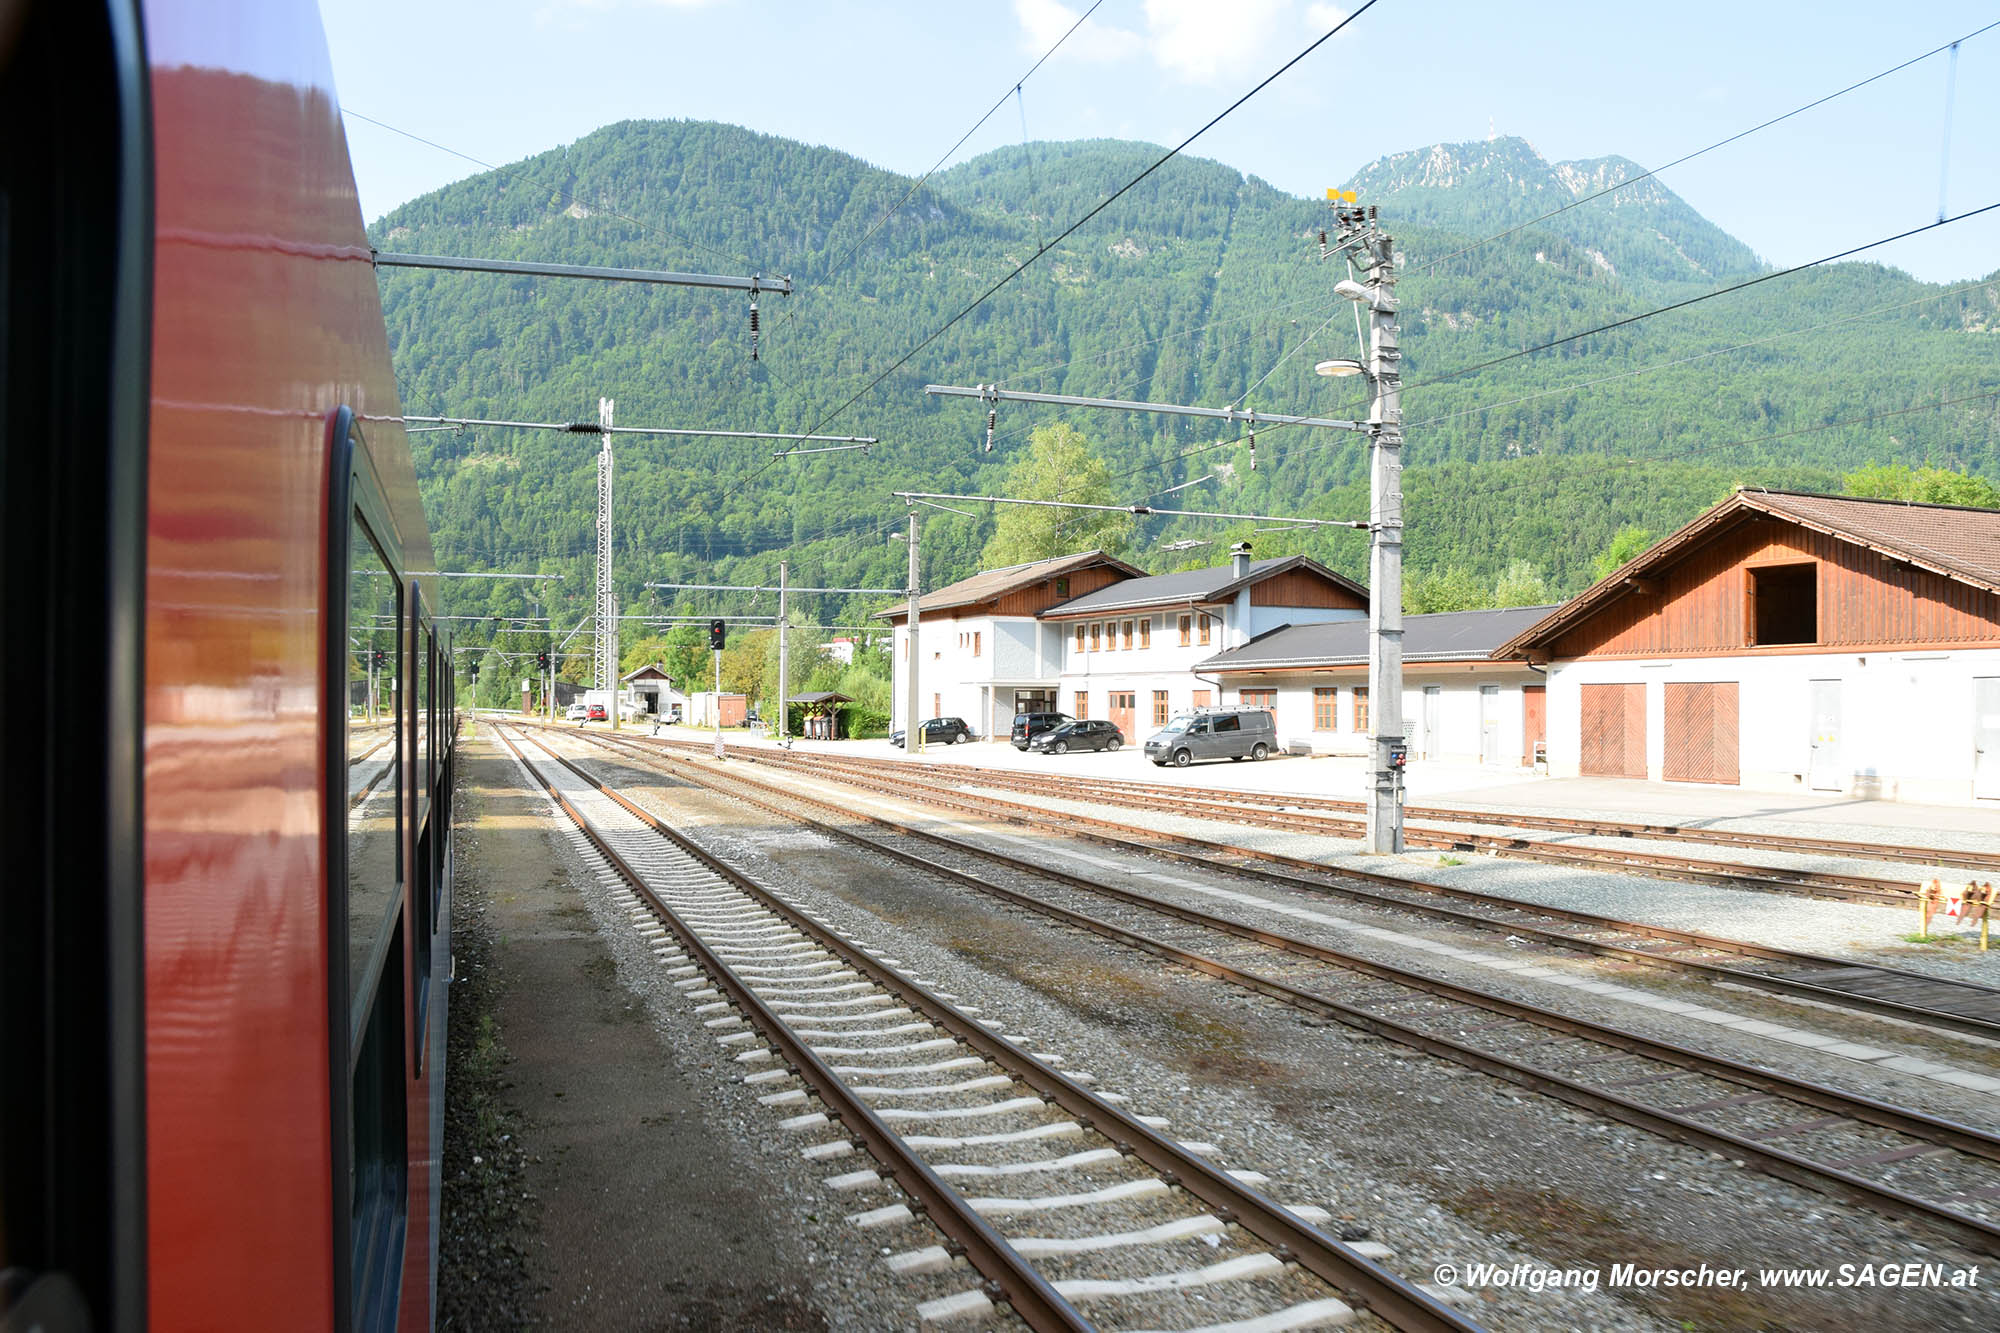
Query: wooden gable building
x,y
1785,641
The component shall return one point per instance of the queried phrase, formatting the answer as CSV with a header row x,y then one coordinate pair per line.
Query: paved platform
x,y
1465,785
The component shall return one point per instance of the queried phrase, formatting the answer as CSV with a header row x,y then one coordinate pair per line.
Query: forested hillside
x,y
1188,289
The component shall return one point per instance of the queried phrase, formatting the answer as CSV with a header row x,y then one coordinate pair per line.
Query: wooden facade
x,y
1303,587
1702,605
1039,597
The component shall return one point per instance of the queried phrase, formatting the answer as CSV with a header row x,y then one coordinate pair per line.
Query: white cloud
x,y
1323,18
1206,42
1043,22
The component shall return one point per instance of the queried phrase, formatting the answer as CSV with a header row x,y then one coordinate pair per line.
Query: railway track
x,y
1298,815
1579,825
1963,1007
1888,1158
890,1059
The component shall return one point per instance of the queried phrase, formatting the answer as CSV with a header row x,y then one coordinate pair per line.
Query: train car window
x,y
378,1164
374,759
420,703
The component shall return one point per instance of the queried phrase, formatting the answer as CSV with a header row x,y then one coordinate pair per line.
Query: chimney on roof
x,y
1239,560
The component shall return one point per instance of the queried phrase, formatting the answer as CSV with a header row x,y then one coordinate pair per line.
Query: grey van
x,y
1221,733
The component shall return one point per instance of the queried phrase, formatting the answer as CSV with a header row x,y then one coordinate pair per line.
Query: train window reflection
x,y
374,733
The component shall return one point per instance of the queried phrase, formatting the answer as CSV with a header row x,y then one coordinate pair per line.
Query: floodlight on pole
x,y
1340,368
1353,291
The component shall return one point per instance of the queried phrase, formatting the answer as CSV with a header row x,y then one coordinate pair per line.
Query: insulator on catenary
x,y
1253,451
753,330
992,420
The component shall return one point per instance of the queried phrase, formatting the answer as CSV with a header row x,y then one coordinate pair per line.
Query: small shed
x,y
653,690
821,714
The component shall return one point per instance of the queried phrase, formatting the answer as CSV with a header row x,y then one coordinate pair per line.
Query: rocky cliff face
x,y
1642,231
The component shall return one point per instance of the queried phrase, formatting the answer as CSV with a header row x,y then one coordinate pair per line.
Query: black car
x,y
1027,726
1087,734
940,731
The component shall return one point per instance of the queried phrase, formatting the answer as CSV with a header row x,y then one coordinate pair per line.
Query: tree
x,y
1057,466
1521,584
1452,588
802,652
1926,485
1629,542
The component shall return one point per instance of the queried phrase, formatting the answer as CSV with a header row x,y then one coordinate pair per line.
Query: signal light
x,y
541,662
381,659
716,632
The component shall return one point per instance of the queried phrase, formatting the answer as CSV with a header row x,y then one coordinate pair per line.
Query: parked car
x,y
1027,726
1086,734
597,714
1222,733
577,713
940,731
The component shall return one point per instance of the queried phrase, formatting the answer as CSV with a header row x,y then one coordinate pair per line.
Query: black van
x,y
1027,726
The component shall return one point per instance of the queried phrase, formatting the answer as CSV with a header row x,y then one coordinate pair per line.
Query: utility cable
x,y
840,261
1119,193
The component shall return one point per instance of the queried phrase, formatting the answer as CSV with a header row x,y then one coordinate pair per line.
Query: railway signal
x,y
716,632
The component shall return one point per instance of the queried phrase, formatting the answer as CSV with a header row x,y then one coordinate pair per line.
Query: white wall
x,y
1459,710
1907,716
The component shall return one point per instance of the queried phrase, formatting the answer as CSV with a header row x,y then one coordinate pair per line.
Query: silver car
x,y
1221,733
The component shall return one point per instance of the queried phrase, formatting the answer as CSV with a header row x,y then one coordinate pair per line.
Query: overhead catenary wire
x,y
1103,204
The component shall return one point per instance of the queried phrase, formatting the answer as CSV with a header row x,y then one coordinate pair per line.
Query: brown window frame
x,y
1082,704
1096,630
1161,712
1079,636
1146,633
1127,636
1258,698
1326,708
1360,708
1204,628
975,642
1187,630
1760,631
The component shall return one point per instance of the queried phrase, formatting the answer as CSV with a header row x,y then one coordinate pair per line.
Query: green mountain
x,y
1193,287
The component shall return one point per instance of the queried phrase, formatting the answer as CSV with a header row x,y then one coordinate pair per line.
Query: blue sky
x,y
897,81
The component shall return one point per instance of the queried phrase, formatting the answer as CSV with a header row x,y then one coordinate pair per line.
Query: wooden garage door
x,y
1121,704
1614,731
1701,739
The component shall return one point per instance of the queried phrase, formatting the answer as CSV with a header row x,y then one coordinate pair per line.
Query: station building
x,y
1461,703
1788,642
1093,636
985,653
1132,650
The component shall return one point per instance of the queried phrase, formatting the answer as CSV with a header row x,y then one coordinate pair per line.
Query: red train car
x,y
225,713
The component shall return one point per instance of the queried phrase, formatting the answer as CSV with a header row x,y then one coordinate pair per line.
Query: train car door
x,y
1826,770
1986,738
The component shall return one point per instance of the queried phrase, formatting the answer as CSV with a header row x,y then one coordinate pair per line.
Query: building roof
x,y
989,584
1217,583
1446,636
651,671
1954,541
823,696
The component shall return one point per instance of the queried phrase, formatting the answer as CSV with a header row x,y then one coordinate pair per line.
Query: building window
x,y
1259,699
1326,698
1146,632
1201,698
1062,587
1784,604
1187,626
1079,636
1082,704
1204,628
975,642
1128,636
1361,708
1095,630
1159,706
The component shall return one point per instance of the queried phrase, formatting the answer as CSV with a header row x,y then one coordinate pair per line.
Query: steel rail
x,y
1400,1303
1023,1288
1585,826
1755,878
1082,826
1799,1170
